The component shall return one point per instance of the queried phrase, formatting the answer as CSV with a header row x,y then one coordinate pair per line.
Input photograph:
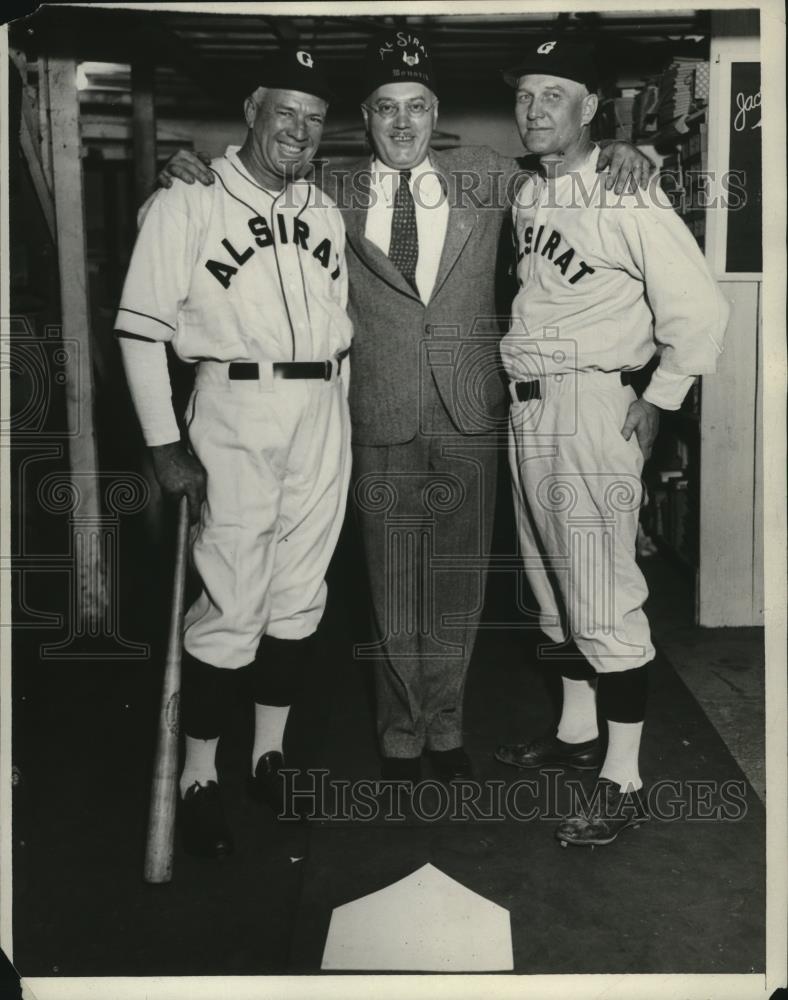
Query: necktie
x,y
404,246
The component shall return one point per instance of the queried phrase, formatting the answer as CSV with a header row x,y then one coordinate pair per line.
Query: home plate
x,y
426,922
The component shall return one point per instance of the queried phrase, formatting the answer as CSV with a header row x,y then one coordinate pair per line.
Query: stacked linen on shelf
x,y
683,88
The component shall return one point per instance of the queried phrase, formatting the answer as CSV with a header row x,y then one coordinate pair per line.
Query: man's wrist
x,y
667,390
167,449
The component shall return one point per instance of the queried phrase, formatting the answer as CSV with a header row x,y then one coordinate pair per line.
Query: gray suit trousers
x,y
425,510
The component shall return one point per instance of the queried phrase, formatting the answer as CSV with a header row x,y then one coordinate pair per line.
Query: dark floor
x,y
682,894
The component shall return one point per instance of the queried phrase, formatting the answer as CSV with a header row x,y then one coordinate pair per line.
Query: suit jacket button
x,y
428,329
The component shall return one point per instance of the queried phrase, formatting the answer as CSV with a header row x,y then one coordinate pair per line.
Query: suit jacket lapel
x,y
460,225
355,216
461,221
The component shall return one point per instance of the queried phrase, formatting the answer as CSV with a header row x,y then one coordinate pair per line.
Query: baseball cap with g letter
x,y
562,57
293,68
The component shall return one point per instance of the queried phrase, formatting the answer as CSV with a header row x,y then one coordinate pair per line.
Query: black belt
x,y
533,390
250,370
528,390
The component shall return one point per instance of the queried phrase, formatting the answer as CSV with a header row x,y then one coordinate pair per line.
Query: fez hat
x,y
397,55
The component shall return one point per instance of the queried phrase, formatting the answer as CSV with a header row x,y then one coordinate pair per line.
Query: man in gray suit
x,y
426,397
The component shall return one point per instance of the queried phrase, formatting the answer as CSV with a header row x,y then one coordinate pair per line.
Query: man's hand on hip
x,y
643,419
186,166
179,474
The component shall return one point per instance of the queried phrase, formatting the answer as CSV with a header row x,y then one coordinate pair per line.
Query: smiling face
x,y
285,128
553,115
401,142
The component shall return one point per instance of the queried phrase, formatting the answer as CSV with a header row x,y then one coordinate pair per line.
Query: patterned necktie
x,y
404,246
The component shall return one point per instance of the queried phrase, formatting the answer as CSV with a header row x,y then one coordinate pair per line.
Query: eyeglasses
x,y
416,108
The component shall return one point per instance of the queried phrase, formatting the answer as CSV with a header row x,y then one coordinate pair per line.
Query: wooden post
x,y
32,154
29,142
90,598
143,128
44,126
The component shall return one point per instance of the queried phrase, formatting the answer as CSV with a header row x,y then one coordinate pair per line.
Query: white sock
x,y
200,762
578,715
623,750
269,729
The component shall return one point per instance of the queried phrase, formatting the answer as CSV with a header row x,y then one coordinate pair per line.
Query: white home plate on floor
x,y
426,922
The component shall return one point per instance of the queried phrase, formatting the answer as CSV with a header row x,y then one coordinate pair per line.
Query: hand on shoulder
x,y
187,166
627,168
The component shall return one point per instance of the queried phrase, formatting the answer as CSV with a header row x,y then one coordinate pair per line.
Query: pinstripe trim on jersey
x,y
134,336
279,272
249,179
146,316
235,196
303,286
271,194
301,265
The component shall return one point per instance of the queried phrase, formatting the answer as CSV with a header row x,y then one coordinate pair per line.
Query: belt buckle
x,y
327,373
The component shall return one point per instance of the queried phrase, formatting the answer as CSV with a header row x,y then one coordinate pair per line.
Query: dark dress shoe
x,y
547,751
600,821
204,830
268,786
401,769
452,765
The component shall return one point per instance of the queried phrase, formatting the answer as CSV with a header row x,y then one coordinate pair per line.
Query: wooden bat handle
x,y
163,797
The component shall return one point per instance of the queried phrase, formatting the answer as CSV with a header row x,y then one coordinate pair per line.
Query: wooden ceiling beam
x,y
285,29
170,48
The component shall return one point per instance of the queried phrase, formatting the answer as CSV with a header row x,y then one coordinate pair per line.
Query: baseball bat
x,y
164,786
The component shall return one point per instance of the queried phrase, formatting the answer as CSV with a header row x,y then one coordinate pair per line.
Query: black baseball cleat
x,y
401,769
204,831
452,765
600,820
549,751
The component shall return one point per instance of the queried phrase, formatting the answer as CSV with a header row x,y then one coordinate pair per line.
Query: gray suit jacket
x,y
398,341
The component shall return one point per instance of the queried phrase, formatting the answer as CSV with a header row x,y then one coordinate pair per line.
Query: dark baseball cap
x,y
397,55
566,58
293,68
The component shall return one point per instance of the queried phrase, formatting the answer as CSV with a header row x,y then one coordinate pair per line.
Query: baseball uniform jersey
x,y
603,279
236,273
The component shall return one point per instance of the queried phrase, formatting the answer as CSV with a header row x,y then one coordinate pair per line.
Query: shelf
x,y
670,134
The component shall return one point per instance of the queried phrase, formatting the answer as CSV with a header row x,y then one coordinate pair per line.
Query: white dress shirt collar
x,y
432,216
423,179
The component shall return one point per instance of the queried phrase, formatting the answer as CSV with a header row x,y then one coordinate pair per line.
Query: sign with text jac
x,y
744,252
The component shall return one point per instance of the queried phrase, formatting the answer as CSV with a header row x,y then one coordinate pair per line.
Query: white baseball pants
x,y
577,495
277,456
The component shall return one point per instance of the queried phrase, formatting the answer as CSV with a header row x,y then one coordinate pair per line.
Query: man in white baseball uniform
x,y
603,281
246,279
